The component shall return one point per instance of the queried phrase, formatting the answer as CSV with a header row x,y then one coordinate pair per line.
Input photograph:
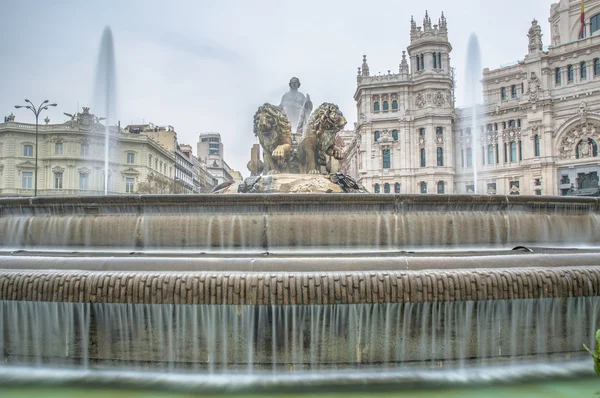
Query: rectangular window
x,y
423,159
504,125
513,151
386,159
536,140
58,148
28,150
469,157
440,187
570,73
503,93
85,149
213,149
130,158
505,153
583,70
511,123
490,154
497,155
564,179
513,91
557,76
440,156
27,180
129,185
58,180
83,181
483,156
596,66
462,158
537,182
423,187
520,150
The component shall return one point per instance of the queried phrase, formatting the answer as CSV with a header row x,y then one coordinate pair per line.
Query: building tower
x,y
405,118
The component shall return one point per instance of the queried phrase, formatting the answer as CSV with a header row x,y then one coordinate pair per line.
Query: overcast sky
x,y
207,65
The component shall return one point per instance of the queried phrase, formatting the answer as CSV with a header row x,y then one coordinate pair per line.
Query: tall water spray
x,y
105,93
473,97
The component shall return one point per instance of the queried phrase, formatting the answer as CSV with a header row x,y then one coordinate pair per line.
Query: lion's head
x,y
270,124
327,117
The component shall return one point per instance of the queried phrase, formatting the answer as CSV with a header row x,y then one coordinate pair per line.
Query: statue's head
x,y
294,83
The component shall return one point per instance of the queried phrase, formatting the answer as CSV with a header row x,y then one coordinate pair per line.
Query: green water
x,y
576,388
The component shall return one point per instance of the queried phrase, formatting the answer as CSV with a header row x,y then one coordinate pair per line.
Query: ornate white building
x,y
404,131
537,131
71,158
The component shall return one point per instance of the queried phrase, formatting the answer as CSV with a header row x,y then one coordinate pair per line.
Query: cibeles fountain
x,y
297,278
299,149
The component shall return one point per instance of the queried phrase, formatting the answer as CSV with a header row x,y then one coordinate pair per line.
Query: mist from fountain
x,y
105,95
473,97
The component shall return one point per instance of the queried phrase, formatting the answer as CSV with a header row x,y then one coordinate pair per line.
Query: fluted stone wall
x,y
277,288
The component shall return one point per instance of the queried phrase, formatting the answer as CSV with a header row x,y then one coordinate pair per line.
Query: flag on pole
x,y
582,19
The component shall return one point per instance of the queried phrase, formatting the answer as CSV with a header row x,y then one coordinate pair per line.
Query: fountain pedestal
x,y
296,183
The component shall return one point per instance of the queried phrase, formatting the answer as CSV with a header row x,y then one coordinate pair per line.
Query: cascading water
x,y
473,98
280,337
105,95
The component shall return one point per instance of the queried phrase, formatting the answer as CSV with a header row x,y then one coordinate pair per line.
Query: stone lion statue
x,y
274,133
325,122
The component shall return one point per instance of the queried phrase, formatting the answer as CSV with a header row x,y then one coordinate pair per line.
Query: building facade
x,y
536,133
404,137
210,152
538,129
71,158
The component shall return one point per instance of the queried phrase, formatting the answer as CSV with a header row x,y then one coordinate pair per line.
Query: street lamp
x,y
36,111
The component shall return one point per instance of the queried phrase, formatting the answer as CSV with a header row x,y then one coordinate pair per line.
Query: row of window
x,y
84,151
387,188
27,181
513,91
440,157
439,132
437,61
386,106
441,187
571,72
512,123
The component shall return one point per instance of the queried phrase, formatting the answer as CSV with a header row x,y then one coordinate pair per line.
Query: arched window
x,y
469,157
386,188
570,73
440,156
583,70
536,145
387,161
557,76
377,135
395,135
423,187
491,154
511,123
394,105
440,187
397,187
423,160
513,151
376,188
28,150
594,23
386,106
586,148
376,106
